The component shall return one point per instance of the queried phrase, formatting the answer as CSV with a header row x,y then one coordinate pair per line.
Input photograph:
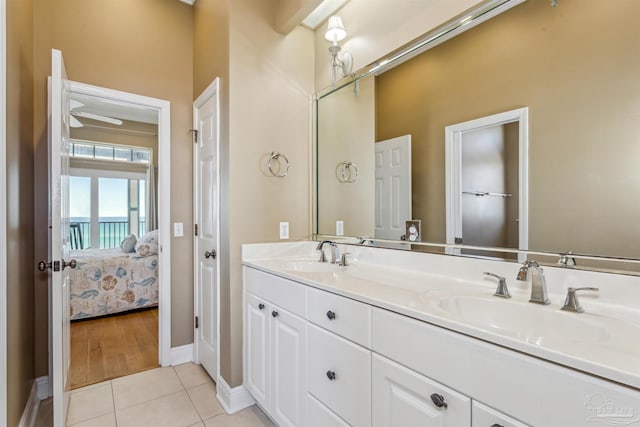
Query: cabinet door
x,y
483,416
402,397
288,367
257,348
318,415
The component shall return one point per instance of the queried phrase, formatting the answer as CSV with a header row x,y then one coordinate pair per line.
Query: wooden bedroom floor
x,y
111,347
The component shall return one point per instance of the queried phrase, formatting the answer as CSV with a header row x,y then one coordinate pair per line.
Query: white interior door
x,y
393,187
59,238
206,118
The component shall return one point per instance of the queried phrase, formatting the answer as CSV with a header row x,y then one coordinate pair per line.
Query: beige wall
x,y
581,87
19,173
266,87
347,133
376,28
144,47
270,110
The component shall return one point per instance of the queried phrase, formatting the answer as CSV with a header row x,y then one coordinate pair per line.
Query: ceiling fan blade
x,y
98,117
73,104
75,123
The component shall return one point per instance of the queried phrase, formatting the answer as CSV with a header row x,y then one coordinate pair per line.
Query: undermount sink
x,y
311,267
531,323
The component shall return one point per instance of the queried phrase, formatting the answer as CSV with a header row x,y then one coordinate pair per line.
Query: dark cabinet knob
x,y
331,315
331,375
438,400
261,306
274,313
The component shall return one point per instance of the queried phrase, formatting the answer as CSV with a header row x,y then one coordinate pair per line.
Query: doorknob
x,y
211,254
72,263
43,265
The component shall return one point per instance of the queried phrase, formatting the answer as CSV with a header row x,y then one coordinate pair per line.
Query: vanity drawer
x,y
284,293
402,397
483,416
318,415
346,317
339,375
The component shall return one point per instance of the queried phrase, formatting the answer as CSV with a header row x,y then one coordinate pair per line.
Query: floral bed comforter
x,y
109,281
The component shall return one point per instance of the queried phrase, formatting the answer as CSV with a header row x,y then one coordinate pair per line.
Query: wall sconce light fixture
x,y
335,33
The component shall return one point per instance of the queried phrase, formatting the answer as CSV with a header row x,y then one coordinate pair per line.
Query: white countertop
x,y
605,343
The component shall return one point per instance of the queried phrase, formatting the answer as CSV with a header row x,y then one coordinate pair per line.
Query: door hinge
x,y
196,229
458,240
195,135
196,322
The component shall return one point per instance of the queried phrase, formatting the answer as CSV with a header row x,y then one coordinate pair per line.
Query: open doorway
x,y
118,230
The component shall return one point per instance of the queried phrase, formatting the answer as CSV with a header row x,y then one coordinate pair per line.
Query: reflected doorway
x,y
487,183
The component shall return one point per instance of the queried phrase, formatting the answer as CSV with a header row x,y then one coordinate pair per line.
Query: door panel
x,y
59,238
206,199
392,187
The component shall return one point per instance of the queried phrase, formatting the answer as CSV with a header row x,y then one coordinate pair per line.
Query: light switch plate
x,y
178,229
284,230
339,228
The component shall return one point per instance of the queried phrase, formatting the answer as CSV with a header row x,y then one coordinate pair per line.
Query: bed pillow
x,y
148,244
128,244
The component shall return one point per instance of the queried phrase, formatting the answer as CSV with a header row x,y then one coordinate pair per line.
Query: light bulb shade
x,y
335,30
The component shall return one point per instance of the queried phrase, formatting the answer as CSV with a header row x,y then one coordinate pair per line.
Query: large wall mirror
x,y
540,108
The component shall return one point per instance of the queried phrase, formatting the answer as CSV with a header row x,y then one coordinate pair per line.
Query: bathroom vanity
x,y
400,338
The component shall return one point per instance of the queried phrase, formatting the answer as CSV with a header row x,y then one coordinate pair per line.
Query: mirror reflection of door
x,y
487,183
489,175
393,187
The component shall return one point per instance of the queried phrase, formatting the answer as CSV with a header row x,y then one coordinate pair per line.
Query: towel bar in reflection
x,y
486,193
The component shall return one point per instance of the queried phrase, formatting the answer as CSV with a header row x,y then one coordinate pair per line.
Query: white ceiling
x,y
115,109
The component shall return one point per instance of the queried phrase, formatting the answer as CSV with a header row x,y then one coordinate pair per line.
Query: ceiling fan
x,y
75,123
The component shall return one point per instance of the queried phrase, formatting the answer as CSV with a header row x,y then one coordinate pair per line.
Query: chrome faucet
x,y
538,283
567,260
571,301
335,252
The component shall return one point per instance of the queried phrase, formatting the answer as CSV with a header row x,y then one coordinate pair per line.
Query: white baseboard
x,y
43,387
233,399
30,412
182,354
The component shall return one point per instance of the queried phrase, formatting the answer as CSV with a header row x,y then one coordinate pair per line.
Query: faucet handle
x,y
571,301
344,261
502,290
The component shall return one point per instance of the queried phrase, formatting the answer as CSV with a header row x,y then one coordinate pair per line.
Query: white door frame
x,y
212,90
453,162
3,214
164,202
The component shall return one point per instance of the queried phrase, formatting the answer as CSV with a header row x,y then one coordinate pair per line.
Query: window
x,y
107,205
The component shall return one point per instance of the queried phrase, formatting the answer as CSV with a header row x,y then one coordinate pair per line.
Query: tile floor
x,y
180,396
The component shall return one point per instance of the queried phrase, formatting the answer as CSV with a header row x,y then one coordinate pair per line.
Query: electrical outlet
x,y
339,228
284,230
178,230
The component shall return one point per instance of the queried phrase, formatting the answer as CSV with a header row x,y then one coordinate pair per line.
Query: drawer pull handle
x,y
331,375
274,313
438,400
497,425
261,306
331,315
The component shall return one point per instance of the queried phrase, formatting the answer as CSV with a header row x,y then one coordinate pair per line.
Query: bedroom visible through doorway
x,y
113,232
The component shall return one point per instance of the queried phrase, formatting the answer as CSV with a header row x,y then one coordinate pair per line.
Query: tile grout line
x,y
113,399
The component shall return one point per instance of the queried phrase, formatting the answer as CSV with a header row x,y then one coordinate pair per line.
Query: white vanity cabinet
x,y
275,353
319,359
483,416
401,397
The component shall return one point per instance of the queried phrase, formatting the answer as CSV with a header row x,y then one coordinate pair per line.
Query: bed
x,y
108,281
